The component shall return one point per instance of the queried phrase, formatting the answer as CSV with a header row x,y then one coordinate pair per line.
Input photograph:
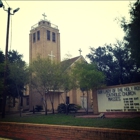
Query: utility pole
x,y
6,57
5,68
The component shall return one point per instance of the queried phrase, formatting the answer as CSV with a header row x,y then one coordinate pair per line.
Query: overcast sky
x,y
82,24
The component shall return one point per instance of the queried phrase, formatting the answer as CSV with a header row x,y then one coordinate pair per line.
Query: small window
x,y
33,37
48,35
53,36
38,35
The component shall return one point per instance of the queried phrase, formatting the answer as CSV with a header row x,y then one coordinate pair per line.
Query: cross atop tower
x,y
44,16
80,51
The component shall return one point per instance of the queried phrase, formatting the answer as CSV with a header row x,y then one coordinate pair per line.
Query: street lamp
x,y
16,10
6,53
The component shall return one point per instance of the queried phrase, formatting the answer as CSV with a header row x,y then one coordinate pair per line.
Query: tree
x,y
68,81
132,31
45,78
67,84
116,63
1,57
1,72
1,77
88,77
56,75
14,56
19,76
10,88
67,56
16,67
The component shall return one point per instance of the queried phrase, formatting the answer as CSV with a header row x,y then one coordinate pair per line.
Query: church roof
x,y
69,62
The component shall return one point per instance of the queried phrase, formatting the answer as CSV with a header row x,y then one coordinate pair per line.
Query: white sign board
x,y
119,99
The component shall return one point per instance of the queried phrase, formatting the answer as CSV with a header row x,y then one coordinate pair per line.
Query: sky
x,y
82,24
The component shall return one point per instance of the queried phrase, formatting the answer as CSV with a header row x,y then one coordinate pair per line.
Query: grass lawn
x,y
62,119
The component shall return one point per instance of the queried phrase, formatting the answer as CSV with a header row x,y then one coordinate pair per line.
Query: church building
x,y
44,41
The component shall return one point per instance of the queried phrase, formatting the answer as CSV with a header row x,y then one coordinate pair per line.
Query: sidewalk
x,y
80,114
27,113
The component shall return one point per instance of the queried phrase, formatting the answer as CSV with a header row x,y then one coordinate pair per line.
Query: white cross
x,y
51,55
44,16
80,51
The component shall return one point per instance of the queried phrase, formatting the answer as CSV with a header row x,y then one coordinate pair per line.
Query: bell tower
x,y
44,40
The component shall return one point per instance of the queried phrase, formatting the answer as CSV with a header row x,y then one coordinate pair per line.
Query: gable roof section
x,y
68,63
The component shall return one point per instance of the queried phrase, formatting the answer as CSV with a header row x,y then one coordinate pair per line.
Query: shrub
x,y
61,108
38,108
70,108
78,107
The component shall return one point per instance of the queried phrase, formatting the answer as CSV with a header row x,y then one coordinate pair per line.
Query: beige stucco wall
x,y
37,99
75,97
43,47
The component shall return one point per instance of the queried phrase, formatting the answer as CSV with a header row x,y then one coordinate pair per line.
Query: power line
x,y
6,3
11,35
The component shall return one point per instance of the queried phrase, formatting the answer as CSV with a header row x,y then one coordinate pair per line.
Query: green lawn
x,y
62,119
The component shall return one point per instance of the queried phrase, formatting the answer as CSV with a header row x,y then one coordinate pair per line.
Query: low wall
x,y
26,131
